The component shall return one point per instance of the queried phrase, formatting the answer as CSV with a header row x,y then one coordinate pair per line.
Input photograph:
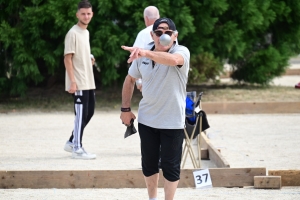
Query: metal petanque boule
x,y
165,39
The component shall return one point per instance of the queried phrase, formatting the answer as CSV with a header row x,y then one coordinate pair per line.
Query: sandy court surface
x,y
34,141
286,193
265,140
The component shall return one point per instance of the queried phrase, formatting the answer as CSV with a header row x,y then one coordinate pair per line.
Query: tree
x,y
270,36
256,37
31,41
119,22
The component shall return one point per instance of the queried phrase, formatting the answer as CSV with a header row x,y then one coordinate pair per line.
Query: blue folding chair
x,y
195,123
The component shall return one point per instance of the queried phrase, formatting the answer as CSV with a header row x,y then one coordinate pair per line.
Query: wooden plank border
x,y
214,154
250,107
288,72
288,177
221,177
292,72
267,182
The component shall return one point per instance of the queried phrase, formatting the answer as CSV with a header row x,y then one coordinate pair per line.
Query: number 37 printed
x,y
199,179
202,178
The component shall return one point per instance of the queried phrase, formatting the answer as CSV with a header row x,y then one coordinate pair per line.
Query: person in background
x,y
80,78
151,13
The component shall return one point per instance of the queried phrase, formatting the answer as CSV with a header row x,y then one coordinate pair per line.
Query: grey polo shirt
x,y
164,90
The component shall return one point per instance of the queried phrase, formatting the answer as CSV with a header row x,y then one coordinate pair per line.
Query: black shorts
x,y
170,141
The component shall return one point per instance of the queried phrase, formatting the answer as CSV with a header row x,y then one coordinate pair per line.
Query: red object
x,y
297,86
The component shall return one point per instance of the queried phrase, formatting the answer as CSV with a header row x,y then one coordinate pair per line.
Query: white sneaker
x,y
69,146
82,154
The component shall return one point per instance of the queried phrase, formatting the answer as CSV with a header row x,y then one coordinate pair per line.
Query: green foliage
x,y
117,23
204,67
249,34
261,67
31,41
256,37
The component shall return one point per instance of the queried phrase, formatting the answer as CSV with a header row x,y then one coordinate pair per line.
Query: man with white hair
x,y
143,38
151,13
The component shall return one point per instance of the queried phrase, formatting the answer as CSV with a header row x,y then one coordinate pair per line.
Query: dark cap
x,y
164,20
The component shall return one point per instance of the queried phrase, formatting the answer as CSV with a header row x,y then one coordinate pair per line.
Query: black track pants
x,y
84,107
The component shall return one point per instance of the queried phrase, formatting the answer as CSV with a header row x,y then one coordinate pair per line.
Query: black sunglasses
x,y
158,33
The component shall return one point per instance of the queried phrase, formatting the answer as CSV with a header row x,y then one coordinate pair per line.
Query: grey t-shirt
x,y
164,90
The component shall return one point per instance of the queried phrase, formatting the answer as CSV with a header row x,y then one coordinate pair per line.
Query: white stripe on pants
x,y
77,122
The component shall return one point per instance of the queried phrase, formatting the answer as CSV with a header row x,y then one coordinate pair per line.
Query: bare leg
x,y
170,189
152,184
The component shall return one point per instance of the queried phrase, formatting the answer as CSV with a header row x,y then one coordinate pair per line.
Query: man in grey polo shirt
x,y
161,114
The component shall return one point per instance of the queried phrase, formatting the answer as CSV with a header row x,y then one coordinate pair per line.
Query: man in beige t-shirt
x,y
80,78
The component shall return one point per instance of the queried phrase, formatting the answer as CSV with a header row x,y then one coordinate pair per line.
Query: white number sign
x,y
202,178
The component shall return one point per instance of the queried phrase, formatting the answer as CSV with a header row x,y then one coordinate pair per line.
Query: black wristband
x,y
126,109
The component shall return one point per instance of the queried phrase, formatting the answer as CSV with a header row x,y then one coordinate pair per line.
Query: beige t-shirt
x,y
77,42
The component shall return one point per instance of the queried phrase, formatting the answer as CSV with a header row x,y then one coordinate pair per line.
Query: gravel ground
x,y
34,141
